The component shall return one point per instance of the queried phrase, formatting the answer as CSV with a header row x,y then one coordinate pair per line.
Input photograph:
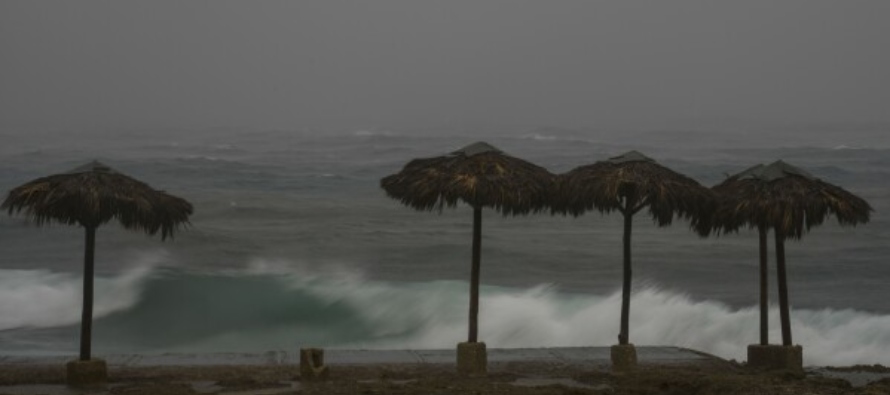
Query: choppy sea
x,y
294,243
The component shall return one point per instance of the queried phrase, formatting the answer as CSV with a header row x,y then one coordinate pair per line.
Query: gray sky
x,y
415,64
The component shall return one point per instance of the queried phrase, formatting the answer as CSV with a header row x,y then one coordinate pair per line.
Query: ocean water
x,y
293,243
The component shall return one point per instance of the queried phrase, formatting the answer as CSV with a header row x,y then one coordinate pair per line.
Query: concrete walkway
x,y
594,356
583,357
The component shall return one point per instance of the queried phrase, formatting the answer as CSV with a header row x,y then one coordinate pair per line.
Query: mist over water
x,y
294,243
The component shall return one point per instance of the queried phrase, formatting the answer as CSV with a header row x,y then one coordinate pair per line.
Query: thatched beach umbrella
x,y
628,184
480,176
90,196
789,201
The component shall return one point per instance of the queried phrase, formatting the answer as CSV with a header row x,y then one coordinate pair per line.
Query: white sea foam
x,y
335,306
373,133
539,137
42,298
434,315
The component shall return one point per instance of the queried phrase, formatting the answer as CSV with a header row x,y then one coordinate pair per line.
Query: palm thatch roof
x,y
785,198
479,175
92,195
608,185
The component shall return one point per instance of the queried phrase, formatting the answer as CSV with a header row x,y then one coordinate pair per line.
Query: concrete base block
x,y
775,357
624,357
472,359
91,373
312,367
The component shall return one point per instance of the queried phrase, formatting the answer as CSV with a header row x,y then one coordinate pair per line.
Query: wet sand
x,y
529,371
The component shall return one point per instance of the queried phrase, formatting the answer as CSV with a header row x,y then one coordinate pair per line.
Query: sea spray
x,y
42,298
273,306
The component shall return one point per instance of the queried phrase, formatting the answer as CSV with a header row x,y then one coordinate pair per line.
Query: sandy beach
x,y
542,371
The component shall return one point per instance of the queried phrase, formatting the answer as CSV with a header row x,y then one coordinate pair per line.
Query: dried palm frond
x,y
479,175
785,198
94,194
635,181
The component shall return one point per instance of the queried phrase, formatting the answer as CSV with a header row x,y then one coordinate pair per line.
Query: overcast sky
x,y
415,64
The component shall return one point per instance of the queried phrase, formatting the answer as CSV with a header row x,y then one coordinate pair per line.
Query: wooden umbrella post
x,y
624,355
86,319
764,286
784,309
474,275
86,371
472,357
624,336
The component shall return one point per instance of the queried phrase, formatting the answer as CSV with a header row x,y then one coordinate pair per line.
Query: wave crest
x,y
41,298
282,305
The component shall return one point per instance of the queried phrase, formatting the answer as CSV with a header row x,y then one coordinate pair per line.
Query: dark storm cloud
x,y
404,64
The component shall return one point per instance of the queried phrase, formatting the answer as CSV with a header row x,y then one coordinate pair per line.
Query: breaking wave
x,y
41,298
280,305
